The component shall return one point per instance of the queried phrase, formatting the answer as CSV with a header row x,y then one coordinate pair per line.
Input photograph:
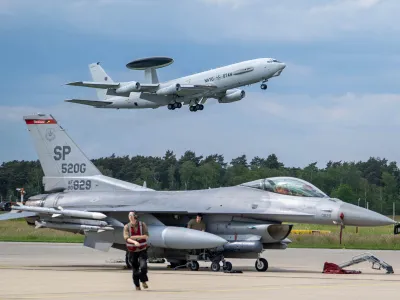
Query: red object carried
x,y
335,269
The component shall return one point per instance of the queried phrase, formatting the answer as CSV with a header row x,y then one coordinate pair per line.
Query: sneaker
x,y
145,285
138,288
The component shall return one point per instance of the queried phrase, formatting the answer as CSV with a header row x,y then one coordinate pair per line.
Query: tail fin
x,y
65,166
99,75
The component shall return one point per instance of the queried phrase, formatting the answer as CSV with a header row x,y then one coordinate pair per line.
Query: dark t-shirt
x,y
197,226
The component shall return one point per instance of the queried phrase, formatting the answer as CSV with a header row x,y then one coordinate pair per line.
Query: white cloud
x,y
299,129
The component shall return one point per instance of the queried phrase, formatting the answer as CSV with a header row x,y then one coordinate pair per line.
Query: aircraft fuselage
x,y
224,78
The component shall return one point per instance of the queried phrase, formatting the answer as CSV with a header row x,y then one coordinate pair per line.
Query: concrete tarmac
x,y
71,271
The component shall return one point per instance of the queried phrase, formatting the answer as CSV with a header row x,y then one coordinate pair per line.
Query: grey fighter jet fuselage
x,y
241,221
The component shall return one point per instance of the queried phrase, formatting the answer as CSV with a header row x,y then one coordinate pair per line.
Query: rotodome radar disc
x,y
150,62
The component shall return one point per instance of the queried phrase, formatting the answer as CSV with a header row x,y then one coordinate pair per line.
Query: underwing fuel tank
x,y
182,238
269,233
242,247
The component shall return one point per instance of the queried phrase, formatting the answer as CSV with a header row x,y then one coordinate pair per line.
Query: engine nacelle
x,y
232,96
130,87
169,90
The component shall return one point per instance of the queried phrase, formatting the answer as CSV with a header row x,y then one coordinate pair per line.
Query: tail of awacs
x,y
65,166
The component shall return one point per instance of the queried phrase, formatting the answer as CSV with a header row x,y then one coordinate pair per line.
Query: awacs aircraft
x,y
221,84
241,221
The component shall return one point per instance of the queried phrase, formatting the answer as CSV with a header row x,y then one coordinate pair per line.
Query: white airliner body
x,y
221,83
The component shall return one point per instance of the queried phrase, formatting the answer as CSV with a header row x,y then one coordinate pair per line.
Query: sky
x,y
337,99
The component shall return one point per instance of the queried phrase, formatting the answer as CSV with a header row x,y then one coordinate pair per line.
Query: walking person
x,y
136,235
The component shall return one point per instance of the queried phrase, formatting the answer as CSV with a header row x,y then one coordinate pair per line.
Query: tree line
x,y
375,182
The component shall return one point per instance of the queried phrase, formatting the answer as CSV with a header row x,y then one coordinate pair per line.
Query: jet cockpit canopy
x,y
287,186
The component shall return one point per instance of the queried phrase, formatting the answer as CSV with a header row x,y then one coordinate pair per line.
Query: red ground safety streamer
x,y
335,269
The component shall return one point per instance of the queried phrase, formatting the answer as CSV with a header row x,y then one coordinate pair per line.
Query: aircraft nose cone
x,y
358,216
283,65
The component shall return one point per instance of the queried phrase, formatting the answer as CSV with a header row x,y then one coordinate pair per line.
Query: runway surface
x,y
71,271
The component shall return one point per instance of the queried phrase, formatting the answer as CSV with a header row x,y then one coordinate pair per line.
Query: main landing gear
x,y
172,106
215,265
196,107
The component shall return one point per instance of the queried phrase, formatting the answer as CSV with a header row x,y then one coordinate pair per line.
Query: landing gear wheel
x,y
227,266
179,104
193,108
194,265
215,266
171,106
200,106
263,86
261,265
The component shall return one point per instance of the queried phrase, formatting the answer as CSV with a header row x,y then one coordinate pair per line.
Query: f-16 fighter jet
x,y
221,83
241,221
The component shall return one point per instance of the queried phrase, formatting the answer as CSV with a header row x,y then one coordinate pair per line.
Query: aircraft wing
x,y
94,103
96,85
149,87
190,89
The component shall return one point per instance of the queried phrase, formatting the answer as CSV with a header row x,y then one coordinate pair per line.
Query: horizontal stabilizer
x,y
94,103
11,216
98,241
96,85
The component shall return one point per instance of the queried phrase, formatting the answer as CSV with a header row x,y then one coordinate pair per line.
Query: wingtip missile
x,y
64,212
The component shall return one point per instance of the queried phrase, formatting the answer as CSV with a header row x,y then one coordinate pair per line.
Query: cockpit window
x,y
274,60
287,186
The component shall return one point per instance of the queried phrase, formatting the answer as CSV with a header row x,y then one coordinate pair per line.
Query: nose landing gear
x,y
261,264
263,85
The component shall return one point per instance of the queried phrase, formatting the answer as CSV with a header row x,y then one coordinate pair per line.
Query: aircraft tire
x,y
201,107
193,265
227,266
215,266
261,265
263,86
